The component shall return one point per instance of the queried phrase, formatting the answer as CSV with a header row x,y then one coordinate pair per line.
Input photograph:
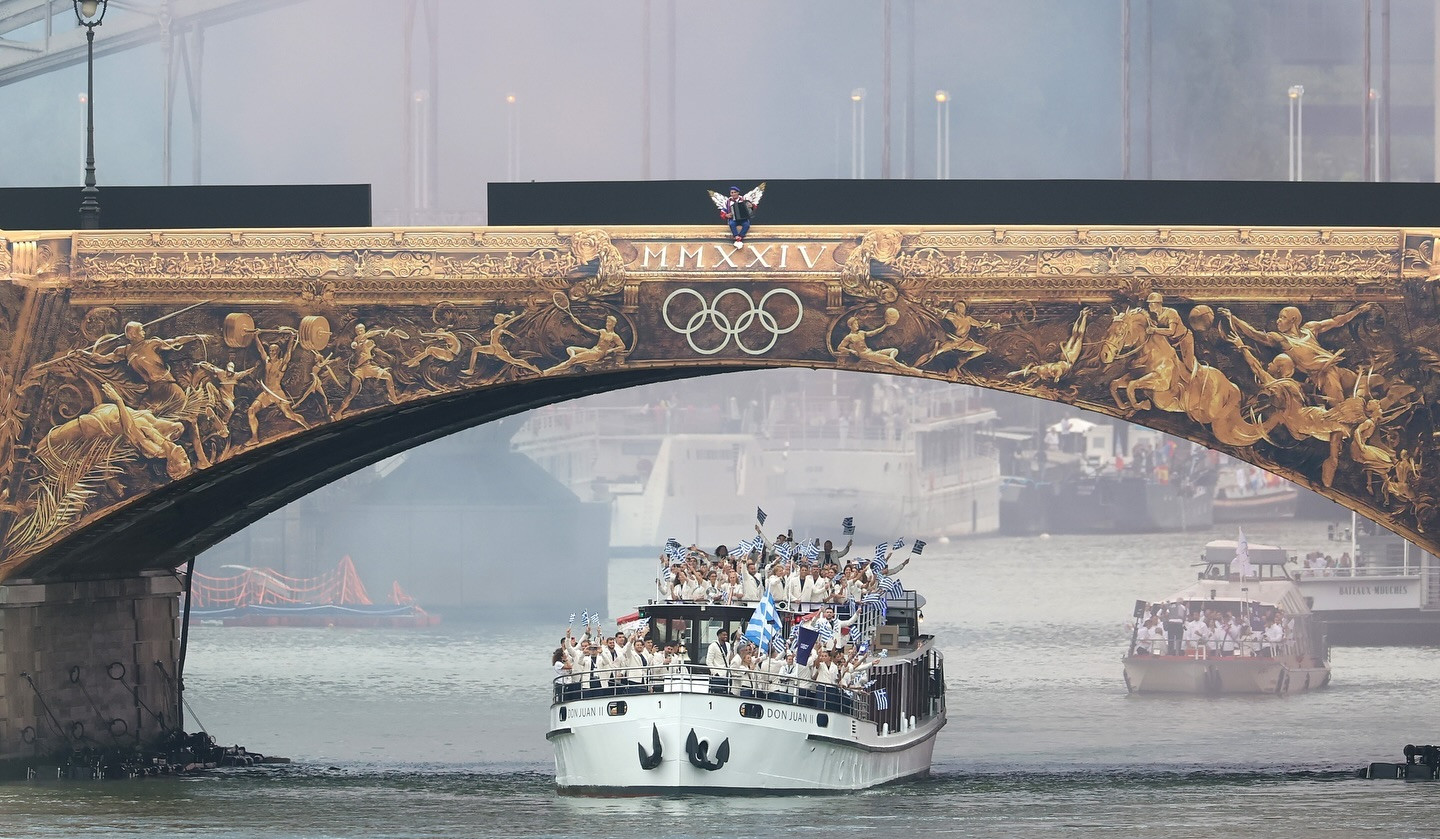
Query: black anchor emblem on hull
x,y
650,761
698,750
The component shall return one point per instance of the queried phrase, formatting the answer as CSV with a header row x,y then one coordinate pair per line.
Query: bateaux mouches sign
x,y
1349,593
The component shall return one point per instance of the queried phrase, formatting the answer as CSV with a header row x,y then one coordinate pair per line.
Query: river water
x,y
440,732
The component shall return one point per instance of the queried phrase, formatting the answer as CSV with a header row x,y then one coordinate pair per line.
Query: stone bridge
x,y
163,389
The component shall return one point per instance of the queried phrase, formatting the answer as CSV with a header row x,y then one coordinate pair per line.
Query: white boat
x,y
1249,663
1385,591
686,729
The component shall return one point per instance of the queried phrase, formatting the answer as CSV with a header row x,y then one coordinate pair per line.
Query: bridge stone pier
x,y
161,389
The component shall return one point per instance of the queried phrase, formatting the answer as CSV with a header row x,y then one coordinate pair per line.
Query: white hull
x,y
1222,675
785,750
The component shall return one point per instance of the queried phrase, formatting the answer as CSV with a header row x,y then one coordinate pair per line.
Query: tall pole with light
x,y
512,162
857,133
942,134
1297,131
89,14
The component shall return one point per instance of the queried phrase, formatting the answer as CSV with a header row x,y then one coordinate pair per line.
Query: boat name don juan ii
x,y
850,695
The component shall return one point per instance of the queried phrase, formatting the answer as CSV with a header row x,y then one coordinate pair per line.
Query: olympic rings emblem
x,y
756,314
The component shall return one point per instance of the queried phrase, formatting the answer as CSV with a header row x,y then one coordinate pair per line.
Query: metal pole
x,y
947,137
1300,135
939,138
1289,137
674,76
1374,135
90,195
184,644
1125,89
1149,86
885,99
645,94
1367,98
862,138
1384,165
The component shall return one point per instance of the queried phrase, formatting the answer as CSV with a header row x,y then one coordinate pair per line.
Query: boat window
x,y
750,710
617,709
822,720
708,630
563,713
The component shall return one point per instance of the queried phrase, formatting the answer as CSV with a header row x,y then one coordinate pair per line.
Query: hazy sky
x,y
308,93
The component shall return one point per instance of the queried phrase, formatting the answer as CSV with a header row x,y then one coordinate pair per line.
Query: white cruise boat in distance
x,y
1256,659
686,729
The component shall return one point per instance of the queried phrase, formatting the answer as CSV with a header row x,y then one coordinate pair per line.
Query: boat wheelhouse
x,y
687,727
1240,650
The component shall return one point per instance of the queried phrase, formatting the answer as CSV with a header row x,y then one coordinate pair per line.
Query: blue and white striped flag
x,y
572,618
764,622
848,526
785,550
668,574
899,543
874,602
811,551
826,629
745,546
917,548
882,699
880,552
891,587
760,515
584,618
595,619
674,551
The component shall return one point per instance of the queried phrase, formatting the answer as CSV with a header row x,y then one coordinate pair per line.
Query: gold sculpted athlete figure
x,y
960,342
153,437
609,344
1054,371
365,368
855,346
496,346
1301,341
273,364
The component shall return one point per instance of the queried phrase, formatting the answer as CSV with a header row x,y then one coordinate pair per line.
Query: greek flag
x,y
785,550
826,629
882,699
917,548
572,618
745,546
891,587
584,618
880,551
848,526
760,515
874,602
764,623
899,543
810,550
595,619
674,551
668,575
1242,556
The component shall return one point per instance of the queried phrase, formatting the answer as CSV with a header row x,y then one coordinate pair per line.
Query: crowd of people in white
x,y
630,662
1174,628
809,580
793,573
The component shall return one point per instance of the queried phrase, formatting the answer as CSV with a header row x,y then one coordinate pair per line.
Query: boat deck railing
x,y
1407,570
745,684
1243,648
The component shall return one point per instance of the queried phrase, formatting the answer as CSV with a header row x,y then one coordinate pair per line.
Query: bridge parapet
x,y
143,369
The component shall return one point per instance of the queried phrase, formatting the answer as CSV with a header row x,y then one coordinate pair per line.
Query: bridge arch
x,y
165,388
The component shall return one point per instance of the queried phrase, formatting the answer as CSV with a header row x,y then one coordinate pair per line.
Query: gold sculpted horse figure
x,y
1204,393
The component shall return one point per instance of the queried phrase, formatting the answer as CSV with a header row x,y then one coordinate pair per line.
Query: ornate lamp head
x,y
89,13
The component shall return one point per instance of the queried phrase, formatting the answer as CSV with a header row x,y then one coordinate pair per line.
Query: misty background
x,y
321,92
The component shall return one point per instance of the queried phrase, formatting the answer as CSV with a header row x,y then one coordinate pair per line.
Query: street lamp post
x,y
512,163
942,134
857,133
89,14
1297,132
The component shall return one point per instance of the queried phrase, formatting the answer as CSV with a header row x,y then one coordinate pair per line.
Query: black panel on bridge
x,y
990,203
190,207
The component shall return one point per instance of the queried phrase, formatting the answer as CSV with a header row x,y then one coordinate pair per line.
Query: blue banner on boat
x,y
805,639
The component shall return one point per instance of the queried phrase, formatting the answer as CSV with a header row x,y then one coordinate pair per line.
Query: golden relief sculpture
x,y
165,354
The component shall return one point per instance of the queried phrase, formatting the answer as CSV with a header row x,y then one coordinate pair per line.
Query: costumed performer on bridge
x,y
737,210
